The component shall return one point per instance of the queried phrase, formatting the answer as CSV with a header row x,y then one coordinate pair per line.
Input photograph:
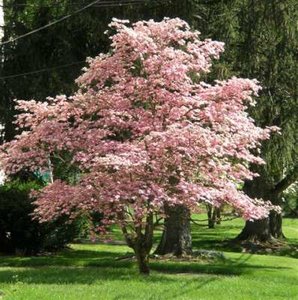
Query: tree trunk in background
x,y
268,229
257,231
275,223
176,237
275,218
213,214
264,230
218,215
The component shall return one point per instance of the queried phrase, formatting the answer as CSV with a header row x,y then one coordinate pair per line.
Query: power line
x,y
49,24
98,3
120,3
101,4
42,70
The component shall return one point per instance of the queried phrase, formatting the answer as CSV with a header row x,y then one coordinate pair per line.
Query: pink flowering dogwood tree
x,y
143,131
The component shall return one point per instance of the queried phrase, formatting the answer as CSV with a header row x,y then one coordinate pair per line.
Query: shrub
x,y
19,233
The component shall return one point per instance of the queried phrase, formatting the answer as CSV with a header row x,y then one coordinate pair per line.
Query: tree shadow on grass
x,y
222,238
291,251
216,244
82,275
230,245
227,267
86,267
63,275
65,258
96,276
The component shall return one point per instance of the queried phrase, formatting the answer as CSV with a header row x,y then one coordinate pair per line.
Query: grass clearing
x,y
91,272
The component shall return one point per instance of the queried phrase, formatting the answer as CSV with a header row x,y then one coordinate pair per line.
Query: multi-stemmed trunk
x,y
141,242
176,236
142,256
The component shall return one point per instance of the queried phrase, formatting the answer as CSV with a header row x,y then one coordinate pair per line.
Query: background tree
x,y
261,39
270,35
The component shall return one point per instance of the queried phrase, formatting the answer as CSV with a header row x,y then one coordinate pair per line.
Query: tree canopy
x,y
143,131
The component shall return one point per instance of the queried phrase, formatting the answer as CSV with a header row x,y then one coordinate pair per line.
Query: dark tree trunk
x,y
176,237
257,231
275,223
264,230
269,229
142,256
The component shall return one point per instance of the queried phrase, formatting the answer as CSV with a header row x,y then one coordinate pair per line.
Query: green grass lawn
x,y
92,272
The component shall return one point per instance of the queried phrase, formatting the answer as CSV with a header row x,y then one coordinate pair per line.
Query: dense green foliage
x,y
261,42
65,44
19,233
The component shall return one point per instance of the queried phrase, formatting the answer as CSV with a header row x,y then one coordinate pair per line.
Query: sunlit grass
x,y
93,272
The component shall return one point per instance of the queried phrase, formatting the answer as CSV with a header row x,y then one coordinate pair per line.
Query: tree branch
x,y
287,181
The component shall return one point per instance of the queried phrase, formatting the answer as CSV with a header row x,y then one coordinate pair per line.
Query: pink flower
x,y
142,132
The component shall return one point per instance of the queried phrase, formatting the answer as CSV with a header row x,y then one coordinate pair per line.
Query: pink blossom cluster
x,y
144,131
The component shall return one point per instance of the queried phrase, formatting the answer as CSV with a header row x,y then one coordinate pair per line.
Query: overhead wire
x,y
117,3
42,70
49,24
100,4
97,3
